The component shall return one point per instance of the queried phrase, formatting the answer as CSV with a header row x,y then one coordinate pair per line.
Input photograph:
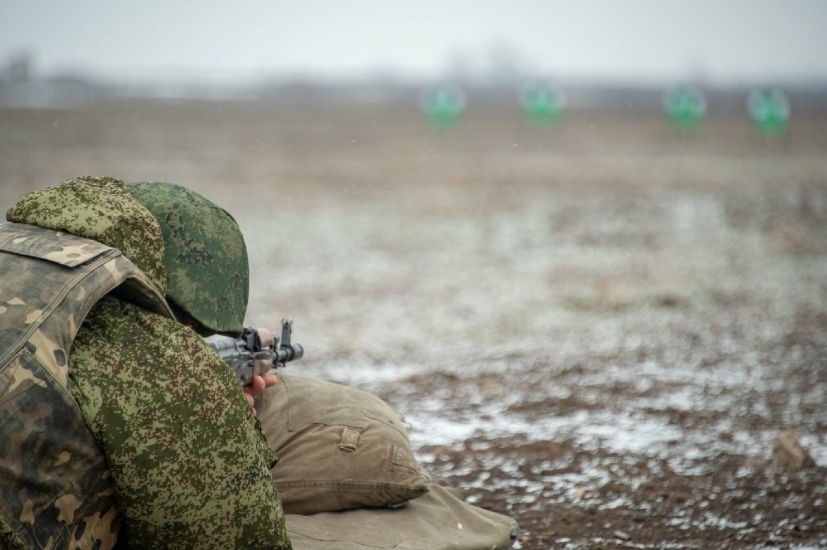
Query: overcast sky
x,y
723,40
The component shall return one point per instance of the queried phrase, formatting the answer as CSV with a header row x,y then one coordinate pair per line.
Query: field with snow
x,y
597,328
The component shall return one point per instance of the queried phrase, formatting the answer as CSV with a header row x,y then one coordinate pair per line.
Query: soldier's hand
x,y
253,389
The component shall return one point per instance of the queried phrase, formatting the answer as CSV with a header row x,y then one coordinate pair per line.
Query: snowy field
x,y
597,329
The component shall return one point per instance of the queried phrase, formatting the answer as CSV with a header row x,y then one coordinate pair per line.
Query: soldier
x,y
116,421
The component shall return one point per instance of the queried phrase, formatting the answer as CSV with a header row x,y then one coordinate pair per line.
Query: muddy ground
x,y
597,328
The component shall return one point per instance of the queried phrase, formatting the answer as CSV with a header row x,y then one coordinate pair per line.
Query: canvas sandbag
x,y
339,448
435,521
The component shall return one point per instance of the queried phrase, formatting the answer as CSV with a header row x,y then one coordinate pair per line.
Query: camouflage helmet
x,y
206,259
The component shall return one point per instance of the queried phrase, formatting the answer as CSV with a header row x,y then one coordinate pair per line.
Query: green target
x,y
443,106
769,110
542,103
685,108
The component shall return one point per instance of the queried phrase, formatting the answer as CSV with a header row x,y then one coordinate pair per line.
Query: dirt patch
x,y
596,329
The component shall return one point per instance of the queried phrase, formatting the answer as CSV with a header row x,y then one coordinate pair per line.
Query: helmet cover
x,y
208,275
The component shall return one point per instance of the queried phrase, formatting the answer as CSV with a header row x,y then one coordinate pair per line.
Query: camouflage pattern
x,y
189,462
8,539
208,272
56,488
188,458
98,208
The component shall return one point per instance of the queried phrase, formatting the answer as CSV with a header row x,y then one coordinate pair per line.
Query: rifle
x,y
257,351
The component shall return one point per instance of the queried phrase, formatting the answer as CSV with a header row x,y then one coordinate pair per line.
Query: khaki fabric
x,y
339,448
436,521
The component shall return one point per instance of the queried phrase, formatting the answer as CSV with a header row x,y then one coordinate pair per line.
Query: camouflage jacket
x,y
57,491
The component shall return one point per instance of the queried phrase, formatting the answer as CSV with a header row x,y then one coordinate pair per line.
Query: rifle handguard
x,y
257,351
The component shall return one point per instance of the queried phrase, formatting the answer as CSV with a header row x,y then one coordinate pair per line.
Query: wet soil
x,y
597,329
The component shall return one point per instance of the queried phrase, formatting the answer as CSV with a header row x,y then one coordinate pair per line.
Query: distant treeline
x,y
76,92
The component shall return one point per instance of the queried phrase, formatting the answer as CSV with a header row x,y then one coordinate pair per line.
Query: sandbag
x,y
339,448
435,521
